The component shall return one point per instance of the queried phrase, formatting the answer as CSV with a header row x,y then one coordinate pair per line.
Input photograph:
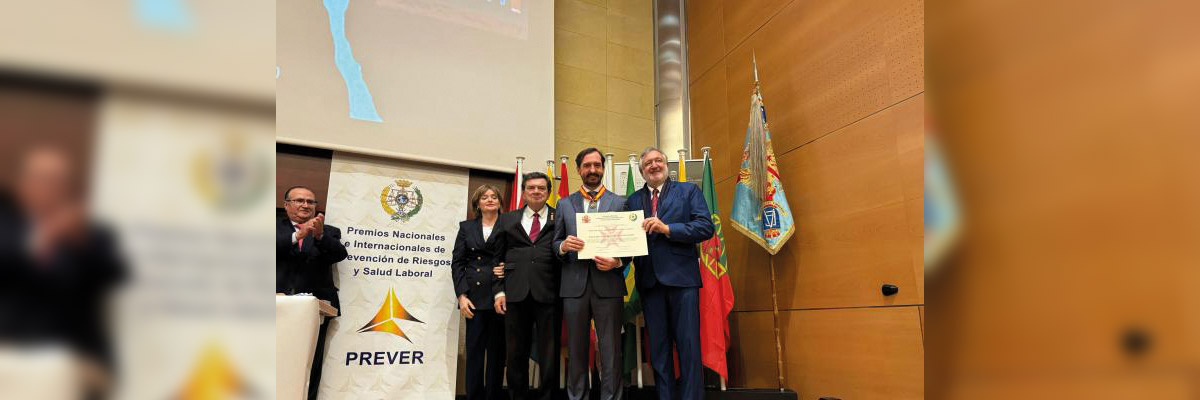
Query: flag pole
x,y
637,322
515,201
707,153
682,165
609,172
775,312
637,327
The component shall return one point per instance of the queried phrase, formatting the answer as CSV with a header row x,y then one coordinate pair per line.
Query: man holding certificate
x,y
593,283
676,219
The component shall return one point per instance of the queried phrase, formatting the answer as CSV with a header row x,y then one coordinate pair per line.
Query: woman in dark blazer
x,y
474,256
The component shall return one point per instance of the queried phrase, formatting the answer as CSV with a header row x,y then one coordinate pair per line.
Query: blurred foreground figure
x,y
57,270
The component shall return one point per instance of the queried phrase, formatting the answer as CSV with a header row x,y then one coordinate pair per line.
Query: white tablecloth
x,y
297,319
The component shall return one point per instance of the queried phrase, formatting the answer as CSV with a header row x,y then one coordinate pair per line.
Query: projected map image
x,y
468,83
362,106
505,17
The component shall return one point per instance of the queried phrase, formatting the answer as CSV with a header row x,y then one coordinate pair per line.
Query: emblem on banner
x,y
388,317
401,200
229,177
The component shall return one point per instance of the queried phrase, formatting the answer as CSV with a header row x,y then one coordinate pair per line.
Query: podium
x,y
297,319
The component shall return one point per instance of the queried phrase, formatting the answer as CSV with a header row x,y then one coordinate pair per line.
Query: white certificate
x,y
611,234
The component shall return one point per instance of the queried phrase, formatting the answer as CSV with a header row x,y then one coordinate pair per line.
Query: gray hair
x,y
643,157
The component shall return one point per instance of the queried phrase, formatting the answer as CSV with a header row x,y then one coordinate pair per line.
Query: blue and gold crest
x,y
401,200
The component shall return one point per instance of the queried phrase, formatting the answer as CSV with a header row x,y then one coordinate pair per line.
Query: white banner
x,y
398,332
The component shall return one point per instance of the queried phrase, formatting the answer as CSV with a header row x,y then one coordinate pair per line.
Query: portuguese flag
x,y
716,296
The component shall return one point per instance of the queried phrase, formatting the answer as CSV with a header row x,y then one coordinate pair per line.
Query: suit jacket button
x,y
476,269
476,283
478,258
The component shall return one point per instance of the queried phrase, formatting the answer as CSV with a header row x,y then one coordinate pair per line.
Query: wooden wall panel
x,y
824,65
915,212
35,112
1094,386
910,147
295,165
845,193
751,359
742,18
705,38
862,353
842,83
710,122
497,179
921,310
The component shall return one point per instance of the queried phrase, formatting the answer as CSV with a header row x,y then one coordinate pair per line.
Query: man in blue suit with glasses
x,y
668,278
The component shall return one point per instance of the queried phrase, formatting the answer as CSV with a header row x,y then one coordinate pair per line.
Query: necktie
x,y
654,204
592,201
299,243
535,228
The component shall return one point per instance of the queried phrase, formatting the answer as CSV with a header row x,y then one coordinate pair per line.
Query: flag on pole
x,y
553,197
716,294
514,199
682,168
608,171
633,302
760,209
563,184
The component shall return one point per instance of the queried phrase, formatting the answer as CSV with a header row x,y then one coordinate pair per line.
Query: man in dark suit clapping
x,y
305,251
528,293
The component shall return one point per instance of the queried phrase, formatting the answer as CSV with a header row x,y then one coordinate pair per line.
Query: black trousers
x,y
529,323
314,378
485,356
607,312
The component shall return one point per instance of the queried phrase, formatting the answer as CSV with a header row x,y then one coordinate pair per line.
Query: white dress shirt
x,y
527,219
658,188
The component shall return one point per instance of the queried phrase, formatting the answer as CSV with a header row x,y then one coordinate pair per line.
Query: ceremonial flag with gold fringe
x,y
760,209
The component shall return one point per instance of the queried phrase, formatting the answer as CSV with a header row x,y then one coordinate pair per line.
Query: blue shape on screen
x,y
163,14
362,105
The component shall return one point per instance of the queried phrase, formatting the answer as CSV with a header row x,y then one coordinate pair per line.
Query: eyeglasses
x,y
304,201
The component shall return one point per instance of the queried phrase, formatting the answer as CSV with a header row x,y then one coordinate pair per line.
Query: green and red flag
x,y
716,296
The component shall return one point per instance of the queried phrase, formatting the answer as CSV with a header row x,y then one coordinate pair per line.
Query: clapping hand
x,y
317,224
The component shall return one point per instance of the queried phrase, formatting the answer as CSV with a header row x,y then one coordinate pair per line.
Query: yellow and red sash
x,y
586,196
